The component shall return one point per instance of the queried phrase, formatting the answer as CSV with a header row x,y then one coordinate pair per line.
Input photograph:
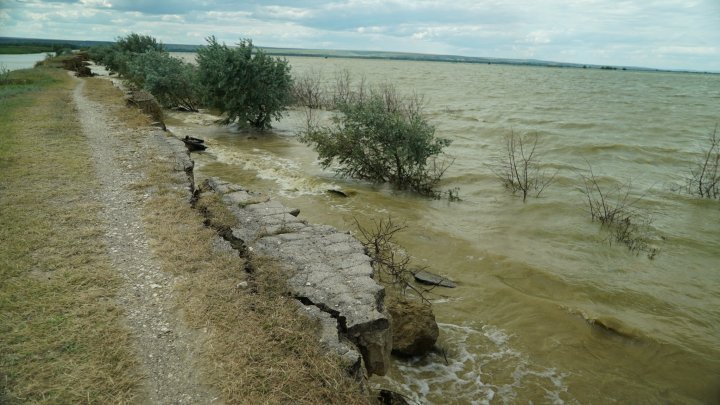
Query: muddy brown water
x,y
546,309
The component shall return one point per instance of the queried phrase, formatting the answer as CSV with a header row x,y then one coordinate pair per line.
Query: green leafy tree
x,y
382,138
117,56
137,43
172,81
244,82
109,56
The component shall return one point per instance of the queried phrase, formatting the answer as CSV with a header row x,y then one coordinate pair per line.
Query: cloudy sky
x,y
675,34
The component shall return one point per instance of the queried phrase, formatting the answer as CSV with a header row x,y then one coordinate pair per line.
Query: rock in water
x,y
387,397
426,277
414,330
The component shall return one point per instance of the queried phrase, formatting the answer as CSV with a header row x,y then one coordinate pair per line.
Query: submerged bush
x,y
519,170
619,214
251,87
382,138
704,178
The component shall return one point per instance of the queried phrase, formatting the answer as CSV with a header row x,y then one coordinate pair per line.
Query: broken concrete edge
x,y
330,274
425,277
328,270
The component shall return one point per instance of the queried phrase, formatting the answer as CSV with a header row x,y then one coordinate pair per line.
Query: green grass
x,y
22,81
61,339
21,49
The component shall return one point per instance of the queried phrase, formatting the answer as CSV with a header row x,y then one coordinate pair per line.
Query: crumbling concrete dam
x,y
329,273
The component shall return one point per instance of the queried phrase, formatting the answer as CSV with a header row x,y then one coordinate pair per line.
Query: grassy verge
x,y
61,339
255,348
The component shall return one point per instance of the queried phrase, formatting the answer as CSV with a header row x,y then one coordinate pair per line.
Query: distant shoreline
x,y
7,42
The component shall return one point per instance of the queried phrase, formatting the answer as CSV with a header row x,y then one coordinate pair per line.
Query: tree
x,y
117,56
137,43
245,83
172,81
382,138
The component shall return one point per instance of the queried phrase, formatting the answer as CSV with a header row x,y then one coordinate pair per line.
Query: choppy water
x,y
535,279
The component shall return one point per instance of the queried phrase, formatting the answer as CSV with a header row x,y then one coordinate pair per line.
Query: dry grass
x,y
216,214
255,348
103,91
61,339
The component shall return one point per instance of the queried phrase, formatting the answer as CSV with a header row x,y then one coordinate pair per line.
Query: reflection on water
x,y
546,310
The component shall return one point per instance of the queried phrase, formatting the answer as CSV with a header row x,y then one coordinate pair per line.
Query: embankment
x,y
328,272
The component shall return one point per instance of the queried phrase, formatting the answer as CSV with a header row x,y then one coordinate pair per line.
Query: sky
x,y
666,34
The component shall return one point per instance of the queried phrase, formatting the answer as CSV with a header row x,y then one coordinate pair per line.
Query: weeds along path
x,y
164,346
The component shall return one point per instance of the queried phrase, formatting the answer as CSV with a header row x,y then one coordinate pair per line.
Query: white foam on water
x,y
286,173
477,367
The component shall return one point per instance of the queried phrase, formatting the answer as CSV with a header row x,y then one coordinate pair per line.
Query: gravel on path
x,y
165,347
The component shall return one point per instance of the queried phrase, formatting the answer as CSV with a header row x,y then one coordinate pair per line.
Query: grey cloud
x,y
662,33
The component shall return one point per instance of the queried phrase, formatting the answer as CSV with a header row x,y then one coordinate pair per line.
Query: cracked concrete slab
x,y
328,269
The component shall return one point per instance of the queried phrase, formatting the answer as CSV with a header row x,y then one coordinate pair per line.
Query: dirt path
x,y
164,347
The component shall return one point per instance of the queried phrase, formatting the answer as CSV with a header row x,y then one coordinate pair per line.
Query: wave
x,y
475,366
286,173
609,325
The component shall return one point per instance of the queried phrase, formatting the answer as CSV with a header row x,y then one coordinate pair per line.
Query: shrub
x,y
250,86
519,170
172,81
4,74
343,91
382,138
617,212
101,54
390,262
704,178
137,43
117,56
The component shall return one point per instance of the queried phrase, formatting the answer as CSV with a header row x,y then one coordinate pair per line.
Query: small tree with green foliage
x,y
382,138
251,87
117,56
138,43
172,81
